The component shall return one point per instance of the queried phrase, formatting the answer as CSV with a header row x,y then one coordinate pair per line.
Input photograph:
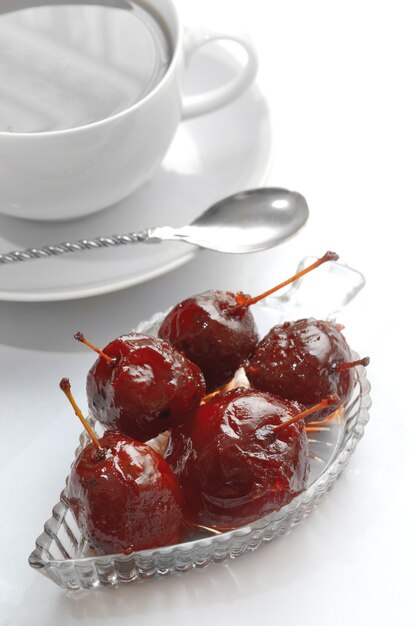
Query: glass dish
x,y
63,555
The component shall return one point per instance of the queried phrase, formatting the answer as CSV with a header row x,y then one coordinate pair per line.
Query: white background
x,y
339,78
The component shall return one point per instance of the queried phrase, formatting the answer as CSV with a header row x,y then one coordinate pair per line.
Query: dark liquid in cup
x,y
68,64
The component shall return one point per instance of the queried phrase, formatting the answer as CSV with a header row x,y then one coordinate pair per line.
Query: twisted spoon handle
x,y
144,236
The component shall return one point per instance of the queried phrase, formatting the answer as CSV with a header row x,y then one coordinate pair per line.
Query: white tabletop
x,y
339,79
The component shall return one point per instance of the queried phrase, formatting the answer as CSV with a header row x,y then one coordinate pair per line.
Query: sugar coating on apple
x,y
127,499
237,467
304,361
143,386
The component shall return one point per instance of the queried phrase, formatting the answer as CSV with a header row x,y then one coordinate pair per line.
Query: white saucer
x,y
210,158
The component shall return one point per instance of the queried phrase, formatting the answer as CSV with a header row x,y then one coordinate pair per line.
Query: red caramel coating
x,y
128,500
179,449
213,333
297,361
239,468
149,387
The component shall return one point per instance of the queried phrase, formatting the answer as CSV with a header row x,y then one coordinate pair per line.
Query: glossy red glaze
x,y
239,469
128,500
150,387
297,360
179,449
212,333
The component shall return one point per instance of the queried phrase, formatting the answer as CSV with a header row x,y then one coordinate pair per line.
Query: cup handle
x,y
214,99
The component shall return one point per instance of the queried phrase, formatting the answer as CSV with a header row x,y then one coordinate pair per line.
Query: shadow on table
x,y
50,326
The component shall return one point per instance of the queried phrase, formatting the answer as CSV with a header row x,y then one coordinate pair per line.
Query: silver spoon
x,y
248,221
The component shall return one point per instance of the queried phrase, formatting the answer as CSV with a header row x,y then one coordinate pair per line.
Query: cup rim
x,y
177,47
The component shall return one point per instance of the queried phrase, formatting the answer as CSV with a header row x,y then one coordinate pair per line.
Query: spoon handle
x,y
143,236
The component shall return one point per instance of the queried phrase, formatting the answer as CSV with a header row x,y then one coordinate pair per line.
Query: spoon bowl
x,y
247,221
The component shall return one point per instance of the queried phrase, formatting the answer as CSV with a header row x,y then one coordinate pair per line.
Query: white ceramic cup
x,y
65,174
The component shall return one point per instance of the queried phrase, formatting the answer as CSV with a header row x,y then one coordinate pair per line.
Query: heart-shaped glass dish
x,y
64,556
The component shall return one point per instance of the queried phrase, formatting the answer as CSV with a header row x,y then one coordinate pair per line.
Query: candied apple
x,y
142,386
214,332
126,500
123,494
304,361
240,467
